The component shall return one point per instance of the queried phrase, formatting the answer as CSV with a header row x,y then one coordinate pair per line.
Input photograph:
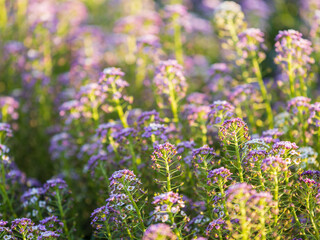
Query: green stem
x,y
125,125
263,223
276,196
176,231
177,39
168,175
173,100
105,175
311,215
4,192
133,202
223,199
3,14
303,87
243,221
204,130
65,227
108,230
291,76
239,167
266,97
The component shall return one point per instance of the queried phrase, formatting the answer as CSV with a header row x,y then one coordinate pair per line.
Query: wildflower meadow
x,y
159,119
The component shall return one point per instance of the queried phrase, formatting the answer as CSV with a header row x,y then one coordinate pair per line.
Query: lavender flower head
x,y
291,45
22,226
299,104
274,164
9,108
231,127
159,231
216,224
239,190
204,153
271,135
229,22
161,152
111,82
31,196
228,11
251,42
124,179
166,204
62,146
287,150
220,111
194,113
311,178
5,132
56,184
314,117
308,157
218,176
169,76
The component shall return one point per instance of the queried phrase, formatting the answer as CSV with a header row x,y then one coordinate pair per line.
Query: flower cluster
x,y
168,205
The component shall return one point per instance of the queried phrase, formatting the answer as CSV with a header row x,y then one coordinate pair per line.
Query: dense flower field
x,y
158,120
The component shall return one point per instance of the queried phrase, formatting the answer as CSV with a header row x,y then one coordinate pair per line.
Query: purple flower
x,y
166,204
310,178
195,114
274,164
124,180
299,104
215,224
164,152
271,135
159,231
62,146
315,114
169,76
53,224
251,42
202,154
219,175
291,45
53,185
286,150
111,82
5,131
220,111
9,107
32,196
231,127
